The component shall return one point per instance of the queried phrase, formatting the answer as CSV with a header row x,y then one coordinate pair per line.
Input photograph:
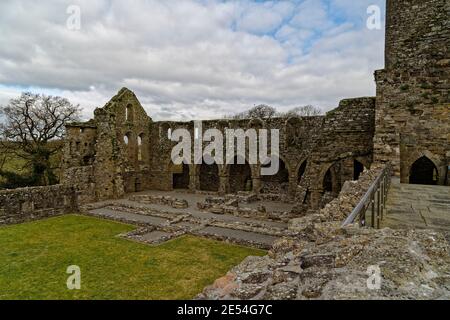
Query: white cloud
x,y
190,59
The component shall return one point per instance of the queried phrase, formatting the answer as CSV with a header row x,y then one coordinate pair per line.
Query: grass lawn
x,y
34,258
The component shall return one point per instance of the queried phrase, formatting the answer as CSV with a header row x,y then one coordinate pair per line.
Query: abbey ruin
x,y
118,166
122,150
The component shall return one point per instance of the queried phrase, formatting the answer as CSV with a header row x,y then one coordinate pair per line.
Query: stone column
x,y
223,185
193,185
256,185
256,179
316,196
292,185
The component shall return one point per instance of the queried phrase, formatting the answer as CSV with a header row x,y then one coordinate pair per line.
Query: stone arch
x,y
438,163
278,183
424,171
240,176
331,181
181,176
209,177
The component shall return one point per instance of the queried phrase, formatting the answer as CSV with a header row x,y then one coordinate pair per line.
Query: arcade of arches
x,y
123,150
242,177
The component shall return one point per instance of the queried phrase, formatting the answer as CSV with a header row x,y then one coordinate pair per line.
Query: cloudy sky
x,y
191,58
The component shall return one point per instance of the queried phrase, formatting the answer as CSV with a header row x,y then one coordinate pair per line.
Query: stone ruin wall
x,y
407,120
101,165
334,140
27,204
413,91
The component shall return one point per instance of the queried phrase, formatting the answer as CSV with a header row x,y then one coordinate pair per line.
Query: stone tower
x,y
413,97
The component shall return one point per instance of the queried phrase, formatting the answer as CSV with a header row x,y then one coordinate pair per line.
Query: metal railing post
x,y
382,197
372,200
378,208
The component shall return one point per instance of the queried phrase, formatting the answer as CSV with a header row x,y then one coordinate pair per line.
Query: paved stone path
x,y
418,206
261,240
204,215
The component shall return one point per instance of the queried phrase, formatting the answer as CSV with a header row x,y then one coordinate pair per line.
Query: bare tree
x,y
305,111
266,112
258,112
262,112
32,124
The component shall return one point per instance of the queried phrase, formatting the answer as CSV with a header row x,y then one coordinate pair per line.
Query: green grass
x,y
34,258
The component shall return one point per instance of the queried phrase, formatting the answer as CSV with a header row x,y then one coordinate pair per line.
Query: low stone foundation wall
x,y
27,204
161,200
231,204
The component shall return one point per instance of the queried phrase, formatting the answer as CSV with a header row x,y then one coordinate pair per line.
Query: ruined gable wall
x,y
121,163
413,92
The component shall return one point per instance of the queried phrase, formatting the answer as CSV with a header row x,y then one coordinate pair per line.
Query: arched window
x,y
126,139
139,143
129,113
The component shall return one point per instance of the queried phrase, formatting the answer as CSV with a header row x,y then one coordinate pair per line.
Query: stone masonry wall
x,y
128,152
342,136
21,205
413,92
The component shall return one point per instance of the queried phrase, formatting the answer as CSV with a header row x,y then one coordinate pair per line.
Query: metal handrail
x,y
375,198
